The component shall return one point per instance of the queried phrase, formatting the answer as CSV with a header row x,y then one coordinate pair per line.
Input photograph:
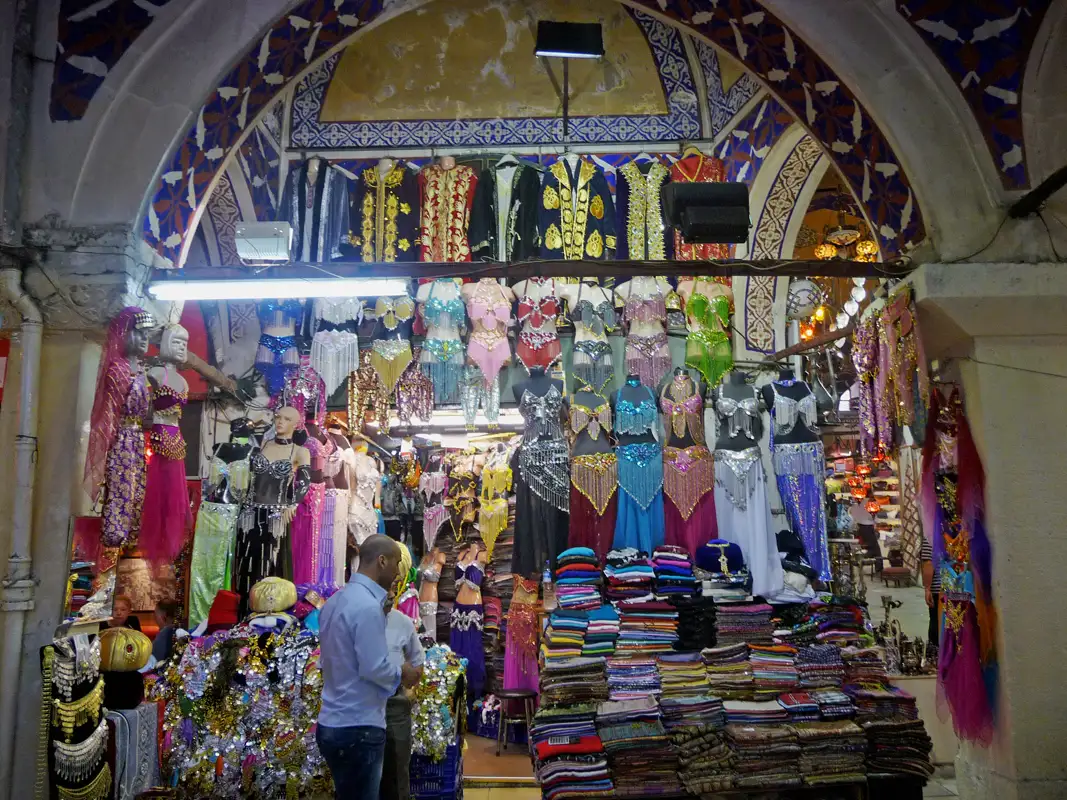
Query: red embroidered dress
x,y
447,196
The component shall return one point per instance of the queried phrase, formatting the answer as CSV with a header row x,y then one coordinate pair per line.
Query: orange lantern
x,y
863,469
859,494
873,507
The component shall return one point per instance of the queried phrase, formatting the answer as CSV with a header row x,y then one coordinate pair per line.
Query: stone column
x,y
1003,327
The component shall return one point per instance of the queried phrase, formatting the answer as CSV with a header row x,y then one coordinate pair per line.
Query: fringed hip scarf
x,y
442,360
335,356
428,613
805,458
538,348
709,352
390,357
593,364
492,520
544,466
736,472
596,476
523,627
688,474
641,471
276,358
333,537
649,357
433,517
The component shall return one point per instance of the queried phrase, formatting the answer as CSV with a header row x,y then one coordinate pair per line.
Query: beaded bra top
x,y
591,420
597,317
787,410
683,408
541,414
489,305
443,313
650,308
737,415
635,419
470,575
539,311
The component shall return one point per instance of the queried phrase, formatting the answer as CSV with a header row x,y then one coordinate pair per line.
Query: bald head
x,y
379,560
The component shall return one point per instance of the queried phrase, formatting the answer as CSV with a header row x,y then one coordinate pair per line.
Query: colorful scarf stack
x,y
743,622
639,752
881,702
573,681
628,574
570,756
773,669
831,752
767,755
696,623
630,678
729,671
685,713
602,632
646,626
800,705
898,746
761,712
820,665
866,665
674,572
682,675
705,760
578,579
565,636
833,704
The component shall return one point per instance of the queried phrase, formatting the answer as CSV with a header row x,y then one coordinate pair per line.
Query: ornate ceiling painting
x,y
985,47
803,84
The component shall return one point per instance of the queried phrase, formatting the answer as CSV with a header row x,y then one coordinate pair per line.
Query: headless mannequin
x,y
686,440
586,290
635,392
704,286
471,554
241,444
339,480
535,291
537,384
643,287
737,389
444,290
435,560
282,447
584,444
801,433
312,430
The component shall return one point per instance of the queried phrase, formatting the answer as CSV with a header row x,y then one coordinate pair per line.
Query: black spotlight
x,y
708,213
569,40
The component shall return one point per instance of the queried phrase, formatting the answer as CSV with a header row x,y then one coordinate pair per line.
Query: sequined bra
x,y
443,313
683,408
235,476
167,403
737,415
278,313
489,305
470,576
597,317
787,410
646,309
542,414
540,311
635,419
707,313
394,311
591,420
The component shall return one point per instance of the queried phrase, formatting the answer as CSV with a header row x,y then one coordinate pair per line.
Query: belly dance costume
x,y
434,515
799,469
414,394
211,565
688,474
707,348
594,479
542,496
592,362
166,518
647,356
741,504
428,608
391,354
306,529
520,650
277,356
493,505
640,520
362,517
465,637
539,345
461,502
124,466
488,349
442,359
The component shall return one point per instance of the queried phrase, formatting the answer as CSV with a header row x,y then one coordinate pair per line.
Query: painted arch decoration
x,y
759,41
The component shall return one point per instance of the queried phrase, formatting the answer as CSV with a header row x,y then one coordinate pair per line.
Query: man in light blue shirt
x,y
358,677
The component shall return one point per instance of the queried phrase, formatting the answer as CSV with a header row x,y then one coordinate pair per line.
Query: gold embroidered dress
x,y
577,216
383,215
642,229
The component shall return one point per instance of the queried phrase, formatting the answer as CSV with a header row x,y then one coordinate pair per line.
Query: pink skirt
x,y
692,534
304,535
166,519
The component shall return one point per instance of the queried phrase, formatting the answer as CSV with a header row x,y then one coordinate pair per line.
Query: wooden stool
x,y
527,697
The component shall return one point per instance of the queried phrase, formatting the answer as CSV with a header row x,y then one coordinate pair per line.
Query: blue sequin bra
x,y
438,312
636,419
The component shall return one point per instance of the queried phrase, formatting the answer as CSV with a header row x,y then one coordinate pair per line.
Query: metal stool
x,y
527,697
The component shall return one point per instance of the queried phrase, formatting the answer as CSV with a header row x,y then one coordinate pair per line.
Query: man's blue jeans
x,y
355,757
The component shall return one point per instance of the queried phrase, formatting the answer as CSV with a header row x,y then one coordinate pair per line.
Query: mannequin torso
x,y
538,305
635,293
470,571
682,409
795,413
635,412
737,410
590,419
442,309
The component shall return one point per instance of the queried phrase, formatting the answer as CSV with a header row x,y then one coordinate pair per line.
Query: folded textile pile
x,y
801,706
758,712
767,755
680,713
773,669
564,636
705,760
646,626
575,680
743,622
640,755
578,579
602,632
831,752
682,675
628,573
696,623
898,746
840,621
632,677
833,704
820,665
674,571
729,671
864,665
881,702
570,756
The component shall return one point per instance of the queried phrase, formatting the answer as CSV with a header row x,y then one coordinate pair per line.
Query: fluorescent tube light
x,y
270,288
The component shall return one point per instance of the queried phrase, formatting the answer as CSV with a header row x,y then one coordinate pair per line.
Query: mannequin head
x,y
135,344
446,162
174,344
286,420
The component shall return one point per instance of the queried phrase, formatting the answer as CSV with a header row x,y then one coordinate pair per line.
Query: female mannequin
x,y
447,192
538,344
280,479
339,474
390,351
707,310
688,474
640,464
799,464
462,498
442,309
115,461
647,353
542,497
366,495
593,314
225,489
465,637
430,571
167,519
741,505
594,474
489,306
278,355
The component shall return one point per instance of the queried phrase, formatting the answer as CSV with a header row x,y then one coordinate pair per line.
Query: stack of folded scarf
x,y
564,637
632,677
800,705
602,632
682,675
767,755
639,752
699,711
578,579
840,621
628,574
646,626
874,701
743,622
820,665
831,752
576,680
864,665
674,571
833,704
729,671
773,669
570,756
705,760
696,623
759,712
899,747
